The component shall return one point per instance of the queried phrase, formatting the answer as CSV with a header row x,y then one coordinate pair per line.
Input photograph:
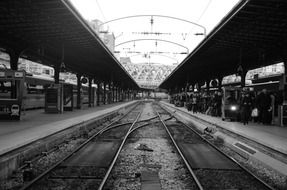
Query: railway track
x,y
95,164
210,167
90,164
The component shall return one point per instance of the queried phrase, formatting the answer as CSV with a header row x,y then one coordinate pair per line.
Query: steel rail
x,y
107,127
121,124
140,126
211,144
118,153
146,124
181,154
58,132
115,126
148,119
28,185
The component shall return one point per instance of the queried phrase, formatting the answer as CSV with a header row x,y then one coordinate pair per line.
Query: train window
x,y
8,89
230,97
35,89
46,71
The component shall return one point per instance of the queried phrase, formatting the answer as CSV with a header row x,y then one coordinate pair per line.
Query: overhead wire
x,y
201,15
204,10
101,11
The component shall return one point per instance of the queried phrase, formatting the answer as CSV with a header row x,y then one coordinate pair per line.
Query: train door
x,y
11,93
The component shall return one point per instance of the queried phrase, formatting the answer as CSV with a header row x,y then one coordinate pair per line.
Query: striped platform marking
x,y
245,148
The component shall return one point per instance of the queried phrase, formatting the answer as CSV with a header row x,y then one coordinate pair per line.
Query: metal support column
x,y
242,80
90,92
116,92
104,96
241,71
109,94
120,94
124,95
79,87
14,58
219,82
57,74
284,80
207,85
113,93
98,92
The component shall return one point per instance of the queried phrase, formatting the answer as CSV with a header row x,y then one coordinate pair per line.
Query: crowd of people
x,y
260,107
209,103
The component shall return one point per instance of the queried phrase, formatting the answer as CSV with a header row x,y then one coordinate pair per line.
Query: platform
x,y
271,136
36,124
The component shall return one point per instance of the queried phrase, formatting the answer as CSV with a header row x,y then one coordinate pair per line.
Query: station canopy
x,y
52,32
252,35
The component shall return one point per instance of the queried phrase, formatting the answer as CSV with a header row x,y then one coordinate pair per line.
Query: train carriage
x,y
11,93
22,91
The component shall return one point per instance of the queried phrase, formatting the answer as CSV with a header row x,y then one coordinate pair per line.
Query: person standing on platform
x,y
254,107
264,106
258,106
194,103
245,105
209,105
218,102
189,105
272,109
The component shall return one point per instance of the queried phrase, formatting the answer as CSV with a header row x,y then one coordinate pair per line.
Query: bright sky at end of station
x,y
156,32
207,13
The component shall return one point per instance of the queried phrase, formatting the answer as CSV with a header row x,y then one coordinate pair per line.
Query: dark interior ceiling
x,y
41,28
253,34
